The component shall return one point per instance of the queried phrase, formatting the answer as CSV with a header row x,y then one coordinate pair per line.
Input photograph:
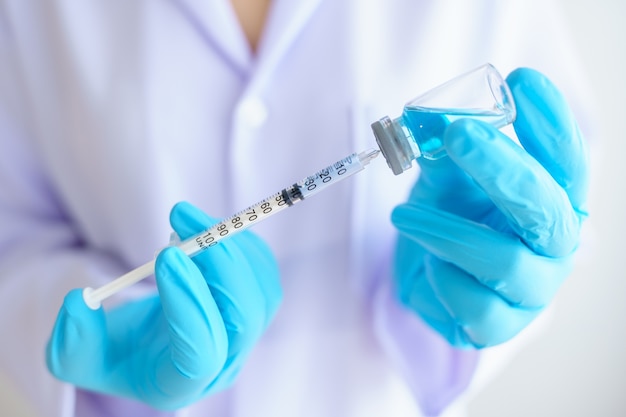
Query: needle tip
x,y
368,155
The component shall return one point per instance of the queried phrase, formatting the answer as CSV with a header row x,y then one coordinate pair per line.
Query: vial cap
x,y
389,146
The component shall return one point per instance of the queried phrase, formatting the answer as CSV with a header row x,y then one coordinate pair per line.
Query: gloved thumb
x,y
76,346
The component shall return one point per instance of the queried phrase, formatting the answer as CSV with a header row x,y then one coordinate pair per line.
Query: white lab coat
x,y
112,111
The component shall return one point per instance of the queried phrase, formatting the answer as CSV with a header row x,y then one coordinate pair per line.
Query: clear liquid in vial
x,y
427,125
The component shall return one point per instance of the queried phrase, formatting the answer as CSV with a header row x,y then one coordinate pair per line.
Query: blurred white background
x,y
579,367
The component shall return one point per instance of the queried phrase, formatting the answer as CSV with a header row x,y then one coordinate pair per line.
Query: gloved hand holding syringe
x,y
242,220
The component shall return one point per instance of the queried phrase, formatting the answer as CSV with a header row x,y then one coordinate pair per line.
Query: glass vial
x,y
479,94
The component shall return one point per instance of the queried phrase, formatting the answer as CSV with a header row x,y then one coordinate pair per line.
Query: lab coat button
x,y
253,112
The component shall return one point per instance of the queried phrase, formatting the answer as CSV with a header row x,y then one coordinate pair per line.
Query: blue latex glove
x,y
488,234
188,341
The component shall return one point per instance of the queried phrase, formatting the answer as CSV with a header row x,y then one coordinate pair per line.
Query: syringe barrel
x,y
242,220
271,205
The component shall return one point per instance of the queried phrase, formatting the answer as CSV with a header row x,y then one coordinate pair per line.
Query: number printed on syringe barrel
x,y
277,202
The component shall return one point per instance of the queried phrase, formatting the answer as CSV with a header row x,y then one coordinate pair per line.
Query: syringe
x,y
242,220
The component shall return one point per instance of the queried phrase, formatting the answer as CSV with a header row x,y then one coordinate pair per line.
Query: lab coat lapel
x,y
285,21
216,21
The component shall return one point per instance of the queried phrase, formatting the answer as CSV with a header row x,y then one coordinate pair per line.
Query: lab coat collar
x,y
285,21
217,22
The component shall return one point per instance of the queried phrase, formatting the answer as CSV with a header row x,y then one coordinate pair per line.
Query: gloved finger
x,y
233,281
78,345
441,179
479,314
537,207
415,292
547,129
188,220
442,183
242,275
498,261
198,343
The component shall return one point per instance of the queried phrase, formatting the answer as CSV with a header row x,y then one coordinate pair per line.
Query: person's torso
x,y
141,106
